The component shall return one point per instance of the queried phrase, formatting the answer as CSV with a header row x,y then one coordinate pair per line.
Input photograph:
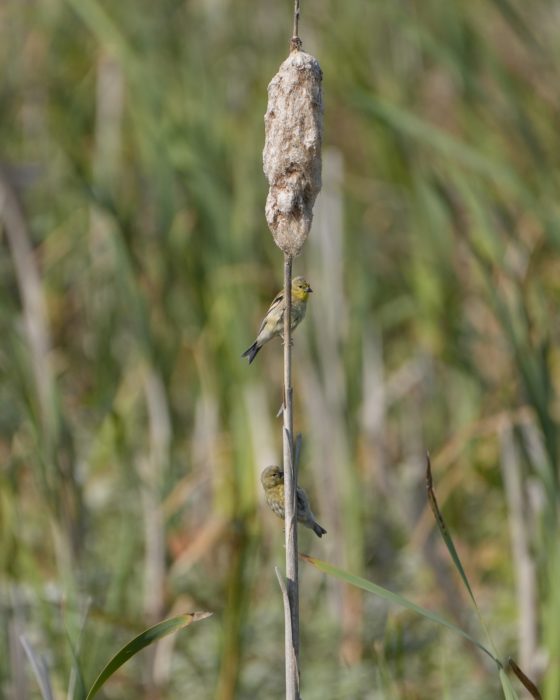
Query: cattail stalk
x,y
292,165
290,511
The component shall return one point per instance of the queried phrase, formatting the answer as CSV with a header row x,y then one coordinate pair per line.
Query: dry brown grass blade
x,y
432,496
450,452
444,532
527,682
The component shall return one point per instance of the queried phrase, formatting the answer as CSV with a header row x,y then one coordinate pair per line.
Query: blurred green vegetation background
x,y
135,264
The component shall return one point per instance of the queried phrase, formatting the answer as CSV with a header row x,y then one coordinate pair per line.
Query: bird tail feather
x,y
318,530
251,352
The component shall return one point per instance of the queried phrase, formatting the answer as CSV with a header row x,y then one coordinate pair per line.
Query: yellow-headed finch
x,y
272,480
273,323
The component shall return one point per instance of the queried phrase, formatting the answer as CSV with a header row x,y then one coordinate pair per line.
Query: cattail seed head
x,y
292,149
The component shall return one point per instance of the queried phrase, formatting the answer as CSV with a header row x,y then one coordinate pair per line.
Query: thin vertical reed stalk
x,y
34,310
524,565
290,486
295,32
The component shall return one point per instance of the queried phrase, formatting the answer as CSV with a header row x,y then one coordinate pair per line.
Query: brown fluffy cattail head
x,y
292,149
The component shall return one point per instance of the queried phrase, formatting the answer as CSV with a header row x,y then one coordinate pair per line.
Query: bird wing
x,y
301,500
275,311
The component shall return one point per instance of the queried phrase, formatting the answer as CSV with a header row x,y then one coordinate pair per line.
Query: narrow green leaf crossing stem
x,y
397,599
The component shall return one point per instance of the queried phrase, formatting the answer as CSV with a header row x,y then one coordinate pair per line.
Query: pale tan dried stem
x,y
35,317
296,41
524,565
288,627
290,486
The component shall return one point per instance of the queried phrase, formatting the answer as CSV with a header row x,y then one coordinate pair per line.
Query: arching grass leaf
x,y
395,598
152,634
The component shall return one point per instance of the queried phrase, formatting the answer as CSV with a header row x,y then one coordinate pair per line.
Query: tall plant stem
x,y
290,485
297,10
295,42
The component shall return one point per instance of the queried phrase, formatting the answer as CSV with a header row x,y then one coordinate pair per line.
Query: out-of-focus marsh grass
x,y
132,133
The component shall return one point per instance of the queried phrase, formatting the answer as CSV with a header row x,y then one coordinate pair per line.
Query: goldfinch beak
x,y
309,290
